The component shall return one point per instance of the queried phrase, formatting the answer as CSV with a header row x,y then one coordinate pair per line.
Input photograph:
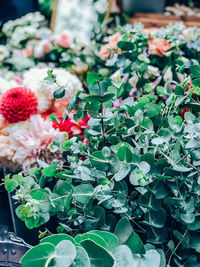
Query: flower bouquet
x,y
26,132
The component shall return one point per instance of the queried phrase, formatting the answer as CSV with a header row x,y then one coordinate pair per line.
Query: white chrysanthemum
x,y
3,52
6,85
34,79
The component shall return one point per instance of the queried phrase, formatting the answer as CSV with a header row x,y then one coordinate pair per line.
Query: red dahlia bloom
x,y
18,104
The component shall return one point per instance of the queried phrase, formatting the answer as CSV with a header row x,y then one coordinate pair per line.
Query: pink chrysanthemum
x,y
33,144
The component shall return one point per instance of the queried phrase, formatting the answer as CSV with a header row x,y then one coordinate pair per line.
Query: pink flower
x,y
158,47
173,86
114,40
43,47
135,93
156,81
105,52
117,103
27,52
107,49
32,144
63,40
18,79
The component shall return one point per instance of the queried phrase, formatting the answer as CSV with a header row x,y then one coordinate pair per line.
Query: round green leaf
x,y
10,185
83,193
98,255
99,161
94,77
123,230
151,258
135,244
111,239
82,259
60,92
38,256
123,256
91,236
65,253
124,154
55,239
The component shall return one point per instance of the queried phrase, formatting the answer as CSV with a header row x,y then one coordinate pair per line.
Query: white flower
x,y
181,77
133,80
168,76
34,79
153,71
6,85
36,20
21,34
143,57
3,52
71,13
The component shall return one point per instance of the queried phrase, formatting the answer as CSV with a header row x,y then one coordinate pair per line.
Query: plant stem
x,y
115,127
102,122
176,247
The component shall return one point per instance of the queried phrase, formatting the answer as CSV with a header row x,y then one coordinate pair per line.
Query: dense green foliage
x,y
142,163
94,248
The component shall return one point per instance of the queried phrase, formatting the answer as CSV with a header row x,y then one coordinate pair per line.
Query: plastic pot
x,y
5,218
20,229
10,220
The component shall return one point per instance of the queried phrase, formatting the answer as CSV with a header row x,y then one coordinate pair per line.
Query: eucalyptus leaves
x,y
141,164
94,248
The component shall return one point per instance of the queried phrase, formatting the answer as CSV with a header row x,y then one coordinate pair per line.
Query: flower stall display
x,y
25,130
112,163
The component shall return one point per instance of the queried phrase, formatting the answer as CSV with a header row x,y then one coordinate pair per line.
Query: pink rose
x,y
158,47
105,52
43,47
63,40
107,49
27,52
114,39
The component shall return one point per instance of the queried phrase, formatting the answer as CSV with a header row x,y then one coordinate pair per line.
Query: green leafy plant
x,y
141,164
94,248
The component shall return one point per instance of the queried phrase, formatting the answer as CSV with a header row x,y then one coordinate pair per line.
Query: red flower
x,y
18,104
72,127
186,109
